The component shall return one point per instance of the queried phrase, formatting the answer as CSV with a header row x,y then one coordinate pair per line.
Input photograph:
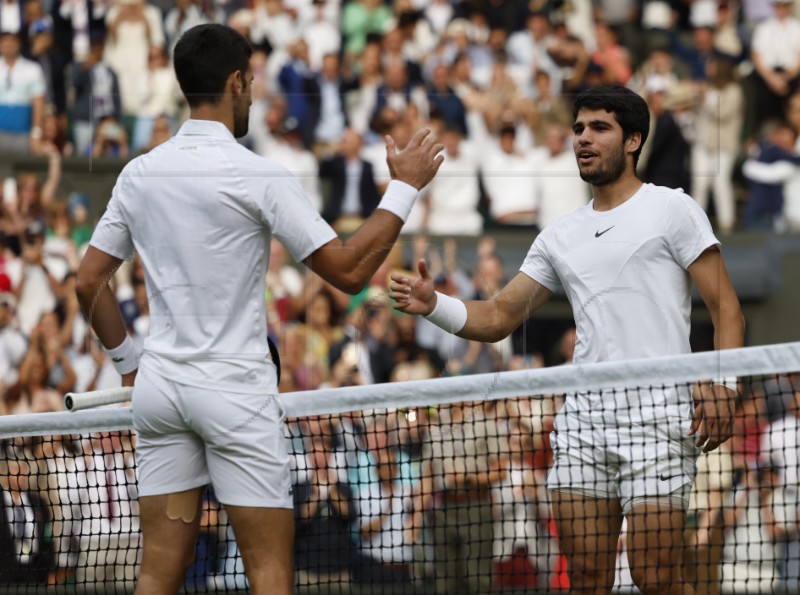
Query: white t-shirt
x,y
388,544
625,274
201,210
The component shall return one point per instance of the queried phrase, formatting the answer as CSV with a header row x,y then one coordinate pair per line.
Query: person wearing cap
x,y
775,53
21,98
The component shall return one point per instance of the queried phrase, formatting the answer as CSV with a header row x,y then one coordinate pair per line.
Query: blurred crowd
x,y
494,79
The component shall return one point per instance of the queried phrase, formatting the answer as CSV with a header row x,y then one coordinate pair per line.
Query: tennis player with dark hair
x,y
200,210
626,261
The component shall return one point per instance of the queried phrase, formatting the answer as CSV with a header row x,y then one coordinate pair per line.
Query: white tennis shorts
x,y
189,437
632,463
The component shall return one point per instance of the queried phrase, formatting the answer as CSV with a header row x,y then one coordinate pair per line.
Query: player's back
x,y
200,210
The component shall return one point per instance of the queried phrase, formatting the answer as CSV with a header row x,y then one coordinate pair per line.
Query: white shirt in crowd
x,y
558,185
202,238
509,181
778,42
388,545
454,195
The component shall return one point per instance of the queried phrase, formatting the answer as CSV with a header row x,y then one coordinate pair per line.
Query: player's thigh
x,y
170,527
265,537
656,542
588,529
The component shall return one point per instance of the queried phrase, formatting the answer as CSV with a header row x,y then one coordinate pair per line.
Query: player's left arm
x,y
713,420
98,302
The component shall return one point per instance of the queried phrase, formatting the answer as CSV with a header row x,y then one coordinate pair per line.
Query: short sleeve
x,y
112,234
689,232
291,218
538,264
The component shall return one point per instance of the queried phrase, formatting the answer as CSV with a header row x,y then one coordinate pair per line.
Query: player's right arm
x,y
486,320
350,265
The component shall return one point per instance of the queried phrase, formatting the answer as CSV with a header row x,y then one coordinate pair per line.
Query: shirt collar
x,y
205,128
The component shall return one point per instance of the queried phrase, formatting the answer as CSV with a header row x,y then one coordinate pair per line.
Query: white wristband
x,y
398,199
124,356
729,382
449,314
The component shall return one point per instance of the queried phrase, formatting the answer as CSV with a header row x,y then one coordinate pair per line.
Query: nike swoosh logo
x,y
668,477
597,234
116,360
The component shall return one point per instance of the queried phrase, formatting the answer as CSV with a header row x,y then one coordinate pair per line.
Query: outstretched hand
x,y
414,296
418,162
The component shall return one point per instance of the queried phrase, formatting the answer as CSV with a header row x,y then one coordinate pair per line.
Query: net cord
x,y
664,371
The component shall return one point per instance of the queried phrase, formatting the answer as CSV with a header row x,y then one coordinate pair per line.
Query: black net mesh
x,y
448,499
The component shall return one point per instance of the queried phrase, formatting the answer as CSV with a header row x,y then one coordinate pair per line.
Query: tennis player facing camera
x,y
627,261
200,210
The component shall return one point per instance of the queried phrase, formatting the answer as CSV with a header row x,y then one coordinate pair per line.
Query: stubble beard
x,y
602,176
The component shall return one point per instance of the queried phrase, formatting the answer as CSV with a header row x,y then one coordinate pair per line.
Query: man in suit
x,y
348,185
25,555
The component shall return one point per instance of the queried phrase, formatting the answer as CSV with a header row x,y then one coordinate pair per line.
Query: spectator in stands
x,y
699,54
298,84
13,18
25,553
668,157
385,524
704,535
463,458
328,108
160,133
781,446
359,19
765,204
160,93
454,196
76,23
569,52
13,345
290,152
716,146
509,181
611,56
529,48
554,172
398,90
322,33
775,54
323,514
36,289
180,18
443,98
21,98
110,139
349,184
134,26
97,95
551,109
53,62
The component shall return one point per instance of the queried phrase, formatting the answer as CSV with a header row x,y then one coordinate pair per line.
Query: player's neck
x,y
610,196
216,113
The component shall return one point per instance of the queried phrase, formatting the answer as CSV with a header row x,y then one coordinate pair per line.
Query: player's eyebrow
x,y
596,124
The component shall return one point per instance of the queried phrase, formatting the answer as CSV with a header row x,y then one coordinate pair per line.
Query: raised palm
x,y
413,296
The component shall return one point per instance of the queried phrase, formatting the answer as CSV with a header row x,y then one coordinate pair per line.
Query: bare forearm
x,y
485,322
368,247
102,311
729,327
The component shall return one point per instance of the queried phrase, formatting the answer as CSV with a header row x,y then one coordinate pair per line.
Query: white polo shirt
x,y
200,210
778,42
625,274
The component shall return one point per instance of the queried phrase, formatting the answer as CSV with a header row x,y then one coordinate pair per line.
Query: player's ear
x,y
235,82
633,142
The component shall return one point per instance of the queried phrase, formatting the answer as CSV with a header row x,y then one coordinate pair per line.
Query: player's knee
x,y
653,580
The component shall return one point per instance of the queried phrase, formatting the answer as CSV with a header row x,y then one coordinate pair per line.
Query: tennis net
x,y
438,486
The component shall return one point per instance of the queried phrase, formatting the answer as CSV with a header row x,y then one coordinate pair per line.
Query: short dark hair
x,y
205,57
628,107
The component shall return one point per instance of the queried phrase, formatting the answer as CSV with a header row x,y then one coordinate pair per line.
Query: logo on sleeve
x,y
598,233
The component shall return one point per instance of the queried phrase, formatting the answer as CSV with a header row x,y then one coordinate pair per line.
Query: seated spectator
x,y
349,183
97,95
385,525
110,140
21,98
765,204
134,26
160,94
509,181
555,177
292,154
453,195
25,554
323,514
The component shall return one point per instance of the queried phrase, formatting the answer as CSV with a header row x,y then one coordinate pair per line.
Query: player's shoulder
x,y
671,199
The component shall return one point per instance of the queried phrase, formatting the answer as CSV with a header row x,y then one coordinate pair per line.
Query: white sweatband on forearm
x,y
729,382
398,199
449,314
124,356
